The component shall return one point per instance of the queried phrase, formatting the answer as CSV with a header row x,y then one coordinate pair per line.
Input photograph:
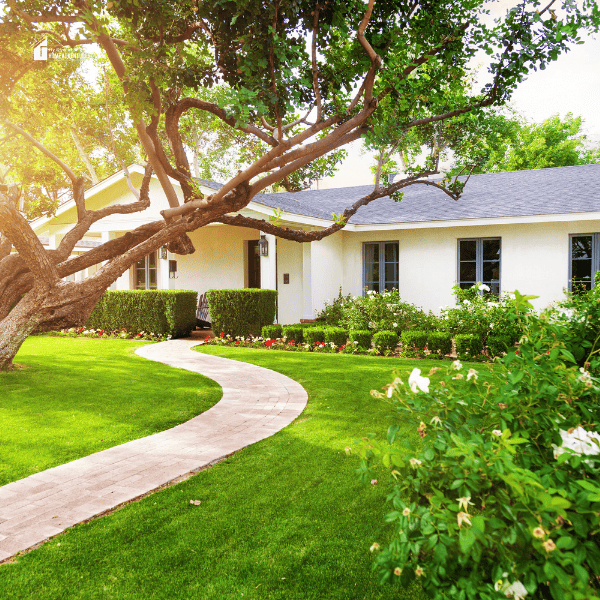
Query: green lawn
x,y
75,397
285,518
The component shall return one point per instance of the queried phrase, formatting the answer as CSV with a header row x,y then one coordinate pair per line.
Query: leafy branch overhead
x,y
287,84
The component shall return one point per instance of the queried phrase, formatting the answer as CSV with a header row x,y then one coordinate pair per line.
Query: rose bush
x,y
500,496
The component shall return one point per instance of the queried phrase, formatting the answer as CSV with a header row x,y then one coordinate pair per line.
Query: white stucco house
x,y
535,231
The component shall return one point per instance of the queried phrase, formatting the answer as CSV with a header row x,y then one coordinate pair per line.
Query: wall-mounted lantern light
x,y
163,253
264,246
172,269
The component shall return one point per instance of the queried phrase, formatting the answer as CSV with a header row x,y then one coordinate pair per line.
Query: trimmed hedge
x,y
241,312
164,312
385,340
336,335
294,332
363,337
439,342
414,339
314,334
272,332
468,345
497,344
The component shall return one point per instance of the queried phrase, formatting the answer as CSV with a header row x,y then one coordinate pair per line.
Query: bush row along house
x,y
534,231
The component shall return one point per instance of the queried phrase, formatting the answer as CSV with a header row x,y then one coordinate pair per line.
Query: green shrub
x,y
439,342
241,312
272,332
363,338
332,313
468,346
314,334
163,312
385,341
336,335
499,495
497,344
294,332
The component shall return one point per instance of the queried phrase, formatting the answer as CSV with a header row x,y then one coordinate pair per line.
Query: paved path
x,y
256,404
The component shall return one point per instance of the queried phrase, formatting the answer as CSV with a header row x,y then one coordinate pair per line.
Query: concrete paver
x,y
256,403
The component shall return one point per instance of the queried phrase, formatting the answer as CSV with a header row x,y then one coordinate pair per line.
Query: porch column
x,y
164,282
307,298
268,265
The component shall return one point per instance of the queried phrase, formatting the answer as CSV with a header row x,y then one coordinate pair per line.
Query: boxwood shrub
x,y
314,334
414,338
385,340
468,346
272,332
164,312
497,344
336,335
362,336
241,312
294,332
439,342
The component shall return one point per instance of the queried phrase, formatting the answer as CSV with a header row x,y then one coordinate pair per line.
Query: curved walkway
x,y
256,403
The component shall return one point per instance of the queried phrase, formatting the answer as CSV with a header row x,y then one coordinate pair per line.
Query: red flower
x,y
237,342
222,334
292,343
269,342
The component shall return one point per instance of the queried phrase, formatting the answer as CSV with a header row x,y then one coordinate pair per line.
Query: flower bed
x,y
119,334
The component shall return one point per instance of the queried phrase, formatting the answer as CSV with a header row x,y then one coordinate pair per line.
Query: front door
x,y
253,264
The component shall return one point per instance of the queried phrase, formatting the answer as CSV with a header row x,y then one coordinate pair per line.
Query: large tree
x,y
302,78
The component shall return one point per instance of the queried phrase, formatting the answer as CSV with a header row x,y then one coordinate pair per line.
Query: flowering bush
x,y
500,496
481,315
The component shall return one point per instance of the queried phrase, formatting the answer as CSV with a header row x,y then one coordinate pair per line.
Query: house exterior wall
x,y
534,259
289,260
327,265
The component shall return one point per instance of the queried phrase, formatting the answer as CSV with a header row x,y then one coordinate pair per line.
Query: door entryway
x,y
253,264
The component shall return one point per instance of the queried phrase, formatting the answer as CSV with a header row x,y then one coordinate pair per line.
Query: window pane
x,y
391,253
468,272
152,260
152,274
582,270
371,253
582,246
494,288
391,275
468,250
140,279
491,270
491,249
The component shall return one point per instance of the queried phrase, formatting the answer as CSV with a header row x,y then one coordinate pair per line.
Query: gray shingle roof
x,y
516,193
209,183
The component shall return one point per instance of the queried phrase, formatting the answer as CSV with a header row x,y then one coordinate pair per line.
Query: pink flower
x,y
373,481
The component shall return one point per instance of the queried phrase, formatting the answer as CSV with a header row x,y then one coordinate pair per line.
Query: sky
x,y
569,84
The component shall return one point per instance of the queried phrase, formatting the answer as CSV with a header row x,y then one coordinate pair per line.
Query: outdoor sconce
x,y
172,269
264,246
163,253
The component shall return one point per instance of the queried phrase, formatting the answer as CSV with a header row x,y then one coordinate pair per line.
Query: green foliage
x,y
332,313
336,335
314,334
241,312
164,312
469,346
272,332
413,343
362,337
497,344
385,341
294,332
500,496
439,343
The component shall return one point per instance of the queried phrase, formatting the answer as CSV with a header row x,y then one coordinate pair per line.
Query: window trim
x,y
381,270
595,256
479,259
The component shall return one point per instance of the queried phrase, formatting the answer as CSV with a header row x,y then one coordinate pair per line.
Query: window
x,y
479,260
144,273
380,266
584,260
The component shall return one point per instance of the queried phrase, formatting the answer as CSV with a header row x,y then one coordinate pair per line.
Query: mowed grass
x,y
285,518
74,397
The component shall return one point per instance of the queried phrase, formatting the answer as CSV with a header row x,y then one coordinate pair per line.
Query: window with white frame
x,y
145,273
380,266
584,260
479,261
